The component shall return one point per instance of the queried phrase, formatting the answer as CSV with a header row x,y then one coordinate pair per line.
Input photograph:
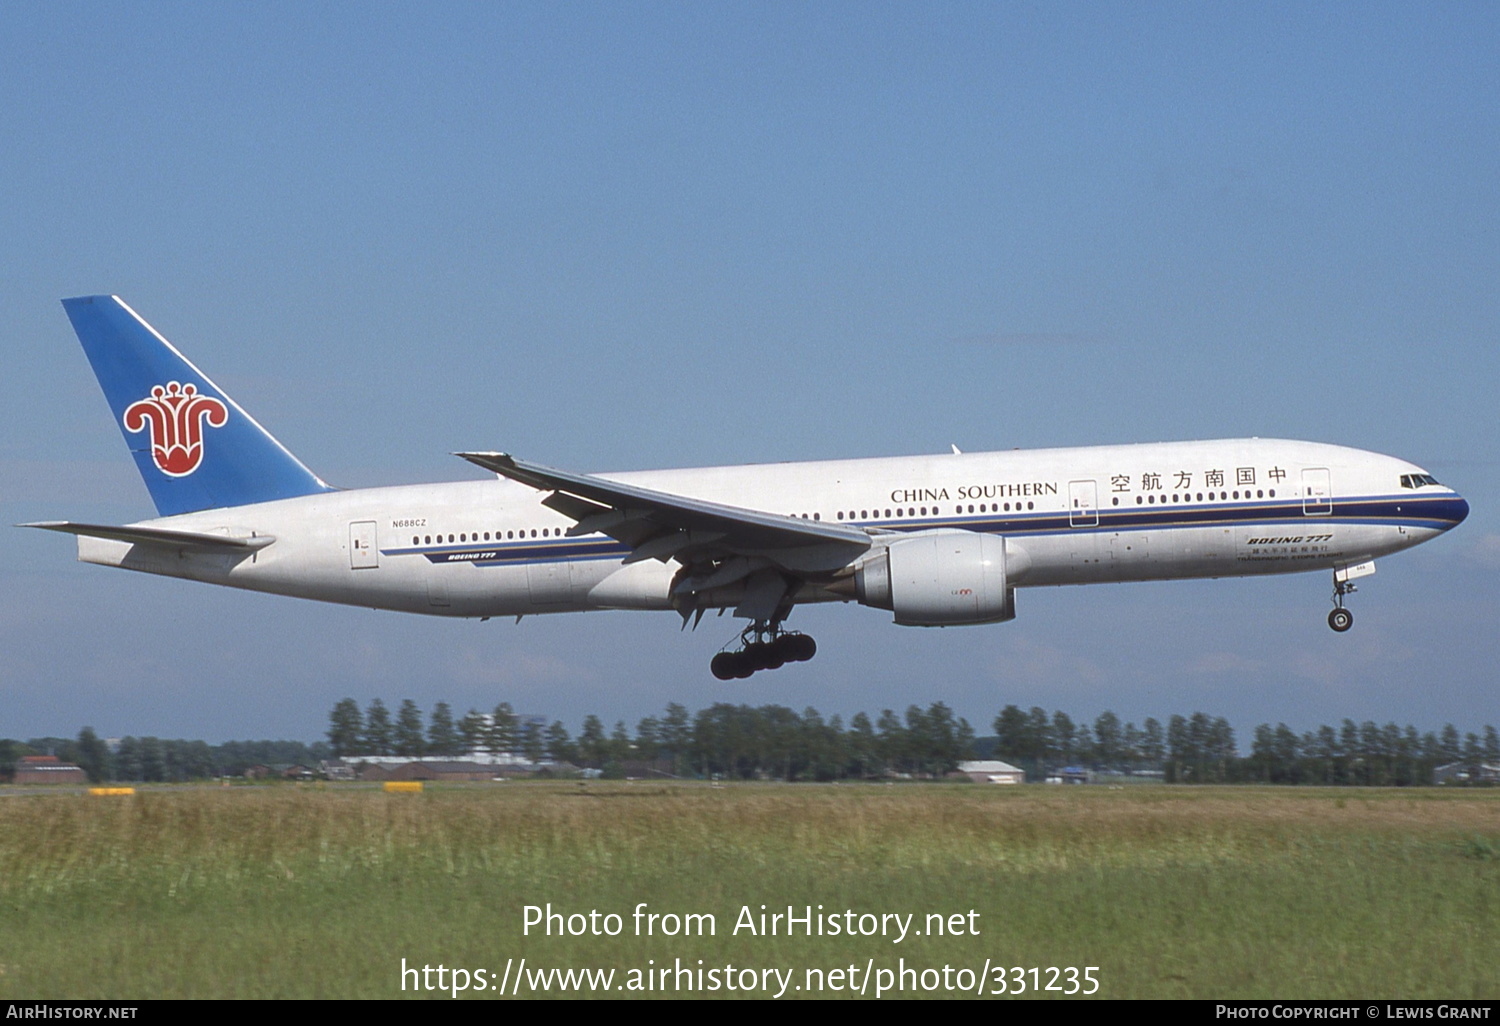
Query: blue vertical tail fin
x,y
194,446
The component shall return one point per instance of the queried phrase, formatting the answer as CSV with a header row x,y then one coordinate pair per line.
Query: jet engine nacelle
x,y
940,579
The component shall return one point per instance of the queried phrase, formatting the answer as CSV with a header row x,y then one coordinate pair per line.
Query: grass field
x,y
321,891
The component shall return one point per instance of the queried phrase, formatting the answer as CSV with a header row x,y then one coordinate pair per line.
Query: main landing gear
x,y
1341,619
765,646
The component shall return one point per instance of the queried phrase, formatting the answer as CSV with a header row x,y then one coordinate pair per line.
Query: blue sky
x,y
610,237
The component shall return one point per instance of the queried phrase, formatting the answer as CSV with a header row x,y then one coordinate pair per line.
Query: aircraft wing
x,y
161,536
663,525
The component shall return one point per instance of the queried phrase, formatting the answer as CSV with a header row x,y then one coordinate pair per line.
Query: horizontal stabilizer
x,y
161,536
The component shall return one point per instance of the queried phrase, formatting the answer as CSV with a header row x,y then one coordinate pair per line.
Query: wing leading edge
x,y
664,525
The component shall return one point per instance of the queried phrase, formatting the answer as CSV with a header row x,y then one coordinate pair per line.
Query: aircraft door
x,y
363,554
1083,504
1317,492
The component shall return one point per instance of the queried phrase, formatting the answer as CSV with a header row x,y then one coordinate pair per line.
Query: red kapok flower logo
x,y
175,414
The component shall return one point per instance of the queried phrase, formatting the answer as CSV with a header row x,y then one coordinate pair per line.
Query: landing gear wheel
x,y
799,647
733,665
765,647
763,655
1341,619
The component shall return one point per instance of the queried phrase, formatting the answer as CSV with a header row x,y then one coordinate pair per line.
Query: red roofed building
x,y
48,769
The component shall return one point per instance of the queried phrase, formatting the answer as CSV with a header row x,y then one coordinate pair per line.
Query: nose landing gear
x,y
764,646
1341,619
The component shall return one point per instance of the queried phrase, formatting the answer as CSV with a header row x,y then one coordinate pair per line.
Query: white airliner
x,y
937,540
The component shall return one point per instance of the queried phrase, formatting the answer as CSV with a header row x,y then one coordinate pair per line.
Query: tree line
x,y
775,741
724,739
160,760
1202,749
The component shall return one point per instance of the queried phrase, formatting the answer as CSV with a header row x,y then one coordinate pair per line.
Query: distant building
x,y
435,770
1466,773
48,769
482,758
281,770
336,769
992,771
386,768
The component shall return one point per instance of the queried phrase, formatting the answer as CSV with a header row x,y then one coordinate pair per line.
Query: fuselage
x,y
1068,516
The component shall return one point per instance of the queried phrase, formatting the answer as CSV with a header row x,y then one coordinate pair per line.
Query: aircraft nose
x,y
1460,509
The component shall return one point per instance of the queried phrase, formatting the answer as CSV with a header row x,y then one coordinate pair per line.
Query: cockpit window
x,y
1417,480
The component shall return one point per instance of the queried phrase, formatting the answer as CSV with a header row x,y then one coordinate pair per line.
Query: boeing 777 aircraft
x,y
939,541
